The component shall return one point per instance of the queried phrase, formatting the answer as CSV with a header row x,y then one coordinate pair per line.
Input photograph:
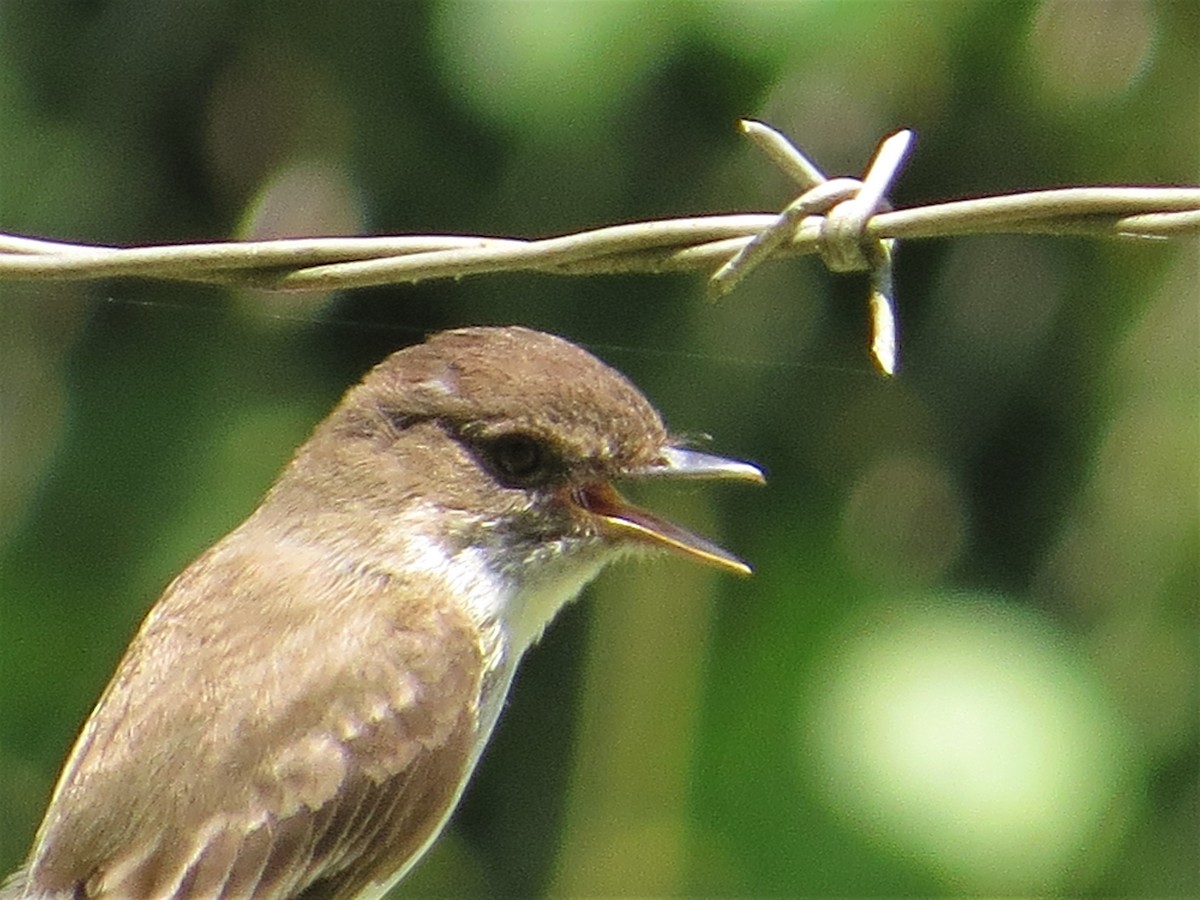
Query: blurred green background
x,y
968,660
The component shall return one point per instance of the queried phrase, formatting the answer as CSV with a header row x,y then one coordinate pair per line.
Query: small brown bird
x,y
301,709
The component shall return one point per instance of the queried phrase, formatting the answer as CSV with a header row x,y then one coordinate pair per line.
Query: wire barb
x,y
884,342
819,199
783,153
842,208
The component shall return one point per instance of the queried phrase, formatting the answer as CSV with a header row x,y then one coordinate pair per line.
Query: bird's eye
x,y
520,459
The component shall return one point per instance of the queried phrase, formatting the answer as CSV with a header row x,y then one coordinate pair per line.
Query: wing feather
x,y
218,764
245,869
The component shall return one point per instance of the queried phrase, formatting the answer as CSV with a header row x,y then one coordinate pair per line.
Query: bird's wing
x,y
221,763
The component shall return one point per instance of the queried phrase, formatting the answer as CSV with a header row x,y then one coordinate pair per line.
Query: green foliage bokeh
x,y
1013,518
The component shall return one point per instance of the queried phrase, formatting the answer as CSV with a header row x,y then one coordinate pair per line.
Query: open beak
x,y
602,500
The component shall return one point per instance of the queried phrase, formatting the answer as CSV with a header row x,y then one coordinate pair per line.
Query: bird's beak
x,y
603,501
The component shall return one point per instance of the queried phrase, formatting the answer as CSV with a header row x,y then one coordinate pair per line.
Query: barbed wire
x,y
845,220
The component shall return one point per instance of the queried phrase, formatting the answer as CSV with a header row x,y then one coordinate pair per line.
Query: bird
x,y
300,711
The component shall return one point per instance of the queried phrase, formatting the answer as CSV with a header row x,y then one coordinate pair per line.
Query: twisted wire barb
x,y
665,245
847,205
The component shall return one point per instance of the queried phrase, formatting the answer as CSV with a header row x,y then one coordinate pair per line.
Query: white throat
x,y
511,614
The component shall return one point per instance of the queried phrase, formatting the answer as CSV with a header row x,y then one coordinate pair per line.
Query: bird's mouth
x,y
604,502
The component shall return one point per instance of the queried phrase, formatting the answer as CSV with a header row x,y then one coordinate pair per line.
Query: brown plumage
x,y
302,707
